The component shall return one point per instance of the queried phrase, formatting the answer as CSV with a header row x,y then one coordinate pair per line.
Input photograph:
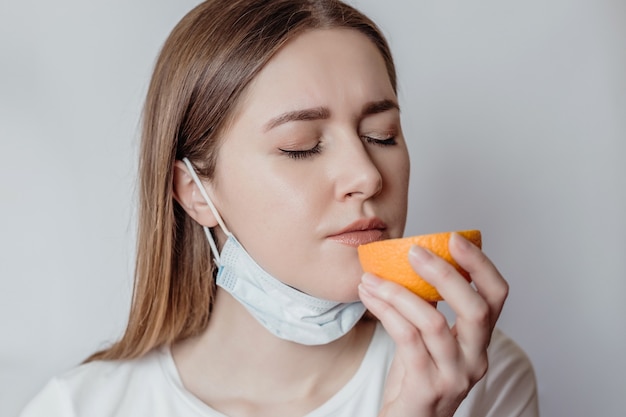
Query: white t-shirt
x,y
151,386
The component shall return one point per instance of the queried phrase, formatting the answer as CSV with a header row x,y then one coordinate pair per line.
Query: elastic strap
x,y
206,197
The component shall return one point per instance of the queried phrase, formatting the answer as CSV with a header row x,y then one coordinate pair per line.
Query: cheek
x,y
396,173
258,198
395,169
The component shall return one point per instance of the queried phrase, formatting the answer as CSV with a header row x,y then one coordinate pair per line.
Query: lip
x,y
361,232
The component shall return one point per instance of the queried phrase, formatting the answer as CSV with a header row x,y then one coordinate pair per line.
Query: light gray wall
x,y
516,114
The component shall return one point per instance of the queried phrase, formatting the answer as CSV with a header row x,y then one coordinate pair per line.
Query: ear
x,y
187,194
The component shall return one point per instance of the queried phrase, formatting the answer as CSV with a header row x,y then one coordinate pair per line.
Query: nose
x,y
358,177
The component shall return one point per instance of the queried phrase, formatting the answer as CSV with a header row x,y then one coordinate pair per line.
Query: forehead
x,y
334,68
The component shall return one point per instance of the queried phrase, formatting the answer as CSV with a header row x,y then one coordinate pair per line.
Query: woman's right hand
x,y
435,364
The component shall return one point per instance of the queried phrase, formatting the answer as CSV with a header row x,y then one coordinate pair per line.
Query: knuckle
x,y
479,368
436,324
463,386
389,291
482,264
447,273
504,290
456,386
483,261
480,314
408,335
384,310
432,395
477,312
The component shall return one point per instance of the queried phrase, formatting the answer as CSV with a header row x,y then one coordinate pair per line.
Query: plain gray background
x,y
516,117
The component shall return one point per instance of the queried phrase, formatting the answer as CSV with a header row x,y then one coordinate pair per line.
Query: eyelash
x,y
390,141
307,153
303,154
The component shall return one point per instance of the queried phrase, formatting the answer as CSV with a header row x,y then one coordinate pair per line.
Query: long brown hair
x,y
203,68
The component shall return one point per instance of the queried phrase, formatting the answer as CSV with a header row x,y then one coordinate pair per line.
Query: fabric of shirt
x,y
151,386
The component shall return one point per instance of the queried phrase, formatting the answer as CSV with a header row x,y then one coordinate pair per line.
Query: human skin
x,y
287,209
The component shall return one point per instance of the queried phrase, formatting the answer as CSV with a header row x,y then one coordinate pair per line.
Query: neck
x,y
236,357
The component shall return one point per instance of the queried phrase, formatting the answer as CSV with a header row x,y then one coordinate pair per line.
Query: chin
x,y
347,291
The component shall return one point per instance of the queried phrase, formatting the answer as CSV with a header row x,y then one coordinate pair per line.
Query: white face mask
x,y
284,311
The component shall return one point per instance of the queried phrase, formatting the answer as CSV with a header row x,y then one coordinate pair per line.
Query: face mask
x,y
284,311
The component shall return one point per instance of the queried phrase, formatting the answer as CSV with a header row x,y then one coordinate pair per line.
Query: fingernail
x,y
460,241
420,254
363,290
370,280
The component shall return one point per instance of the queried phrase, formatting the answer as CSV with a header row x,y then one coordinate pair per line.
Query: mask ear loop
x,y
205,195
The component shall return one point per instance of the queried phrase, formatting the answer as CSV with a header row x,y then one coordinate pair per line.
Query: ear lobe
x,y
187,194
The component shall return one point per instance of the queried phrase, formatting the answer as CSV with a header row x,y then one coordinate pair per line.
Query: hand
x,y
436,365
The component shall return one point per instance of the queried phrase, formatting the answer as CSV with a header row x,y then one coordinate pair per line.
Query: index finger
x,y
490,284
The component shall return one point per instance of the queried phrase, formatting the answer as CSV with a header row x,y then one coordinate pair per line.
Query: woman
x,y
271,148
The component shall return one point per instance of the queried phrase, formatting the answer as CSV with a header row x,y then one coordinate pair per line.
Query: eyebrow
x,y
321,113
317,113
380,106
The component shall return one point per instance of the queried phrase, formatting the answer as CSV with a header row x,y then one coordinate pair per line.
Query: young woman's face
x,y
315,163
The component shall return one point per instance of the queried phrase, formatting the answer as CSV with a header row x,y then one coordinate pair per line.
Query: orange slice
x,y
389,259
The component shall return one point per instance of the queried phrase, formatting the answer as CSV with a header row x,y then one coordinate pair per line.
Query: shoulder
x,y
504,352
508,363
97,388
113,377
509,387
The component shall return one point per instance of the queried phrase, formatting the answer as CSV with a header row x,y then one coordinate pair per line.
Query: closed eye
x,y
387,141
302,153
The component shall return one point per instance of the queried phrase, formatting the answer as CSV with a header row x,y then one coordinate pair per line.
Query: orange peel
x,y
389,259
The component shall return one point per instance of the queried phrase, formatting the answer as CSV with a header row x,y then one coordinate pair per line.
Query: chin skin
x,y
345,287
